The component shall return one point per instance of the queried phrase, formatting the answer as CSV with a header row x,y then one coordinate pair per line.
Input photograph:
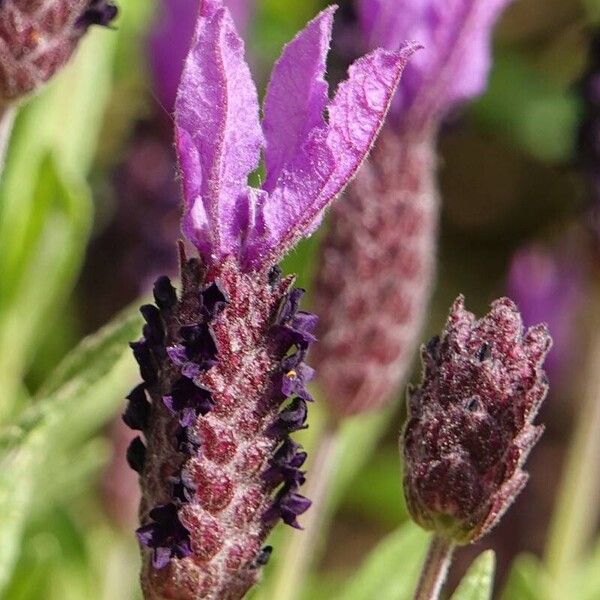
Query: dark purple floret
x,y
288,506
294,327
213,300
145,359
138,409
286,463
187,441
136,455
200,345
167,536
291,418
294,380
165,295
263,557
99,12
188,400
154,331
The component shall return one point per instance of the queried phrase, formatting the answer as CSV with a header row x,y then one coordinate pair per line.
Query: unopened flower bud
x,y
37,37
470,421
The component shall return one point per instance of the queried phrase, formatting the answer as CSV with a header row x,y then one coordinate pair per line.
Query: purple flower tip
x,y
309,159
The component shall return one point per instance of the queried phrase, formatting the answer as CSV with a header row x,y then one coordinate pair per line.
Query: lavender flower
x,y
37,37
470,422
220,360
378,258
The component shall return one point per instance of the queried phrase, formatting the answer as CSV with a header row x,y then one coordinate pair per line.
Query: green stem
x,y
576,511
435,569
301,548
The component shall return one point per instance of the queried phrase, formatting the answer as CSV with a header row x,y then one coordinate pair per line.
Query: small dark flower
x,y
136,455
166,535
188,400
470,422
291,418
287,506
99,12
138,409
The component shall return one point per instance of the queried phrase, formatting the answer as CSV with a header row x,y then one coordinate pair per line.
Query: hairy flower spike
x,y
377,261
37,37
470,421
223,362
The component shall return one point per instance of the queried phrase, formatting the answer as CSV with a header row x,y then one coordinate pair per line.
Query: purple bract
x,y
308,159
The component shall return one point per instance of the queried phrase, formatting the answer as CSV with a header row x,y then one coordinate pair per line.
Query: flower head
x,y
454,64
37,37
223,361
470,421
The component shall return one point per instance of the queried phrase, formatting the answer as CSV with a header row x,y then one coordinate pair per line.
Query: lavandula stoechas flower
x,y
378,257
470,421
37,37
222,363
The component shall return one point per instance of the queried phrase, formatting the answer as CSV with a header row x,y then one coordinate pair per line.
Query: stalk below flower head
x,y
470,421
378,257
37,37
223,363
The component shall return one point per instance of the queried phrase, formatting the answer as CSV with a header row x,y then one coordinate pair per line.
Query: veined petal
x,y
297,95
218,134
331,155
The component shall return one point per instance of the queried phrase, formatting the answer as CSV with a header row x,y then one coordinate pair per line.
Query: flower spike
x,y
470,421
223,361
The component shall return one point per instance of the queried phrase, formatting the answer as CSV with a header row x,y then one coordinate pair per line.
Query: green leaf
x,y
84,393
525,580
391,571
62,230
478,582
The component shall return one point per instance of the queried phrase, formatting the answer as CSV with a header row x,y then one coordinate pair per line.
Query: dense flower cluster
x,y
470,421
37,37
378,257
223,366
223,363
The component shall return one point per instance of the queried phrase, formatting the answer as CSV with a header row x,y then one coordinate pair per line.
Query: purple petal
x,y
171,37
218,135
456,35
297,95
331,155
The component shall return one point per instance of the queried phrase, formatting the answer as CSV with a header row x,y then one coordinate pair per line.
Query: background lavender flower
x,y
37,37
220,360
548,286
470,421
378,257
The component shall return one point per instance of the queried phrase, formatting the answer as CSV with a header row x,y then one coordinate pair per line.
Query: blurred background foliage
x,y
88,214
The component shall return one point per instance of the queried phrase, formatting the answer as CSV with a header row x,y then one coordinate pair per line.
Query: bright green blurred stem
x,y
7,119
337,455
301,547
435,569
576,513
